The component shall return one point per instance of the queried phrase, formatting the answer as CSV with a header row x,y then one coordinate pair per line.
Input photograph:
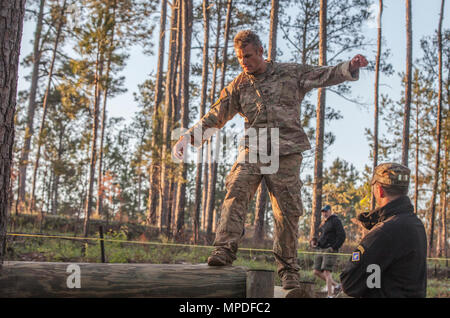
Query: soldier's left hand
x,y
357,62
180,147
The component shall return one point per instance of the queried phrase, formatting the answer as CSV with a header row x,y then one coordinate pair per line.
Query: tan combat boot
x,y
220,258
290,280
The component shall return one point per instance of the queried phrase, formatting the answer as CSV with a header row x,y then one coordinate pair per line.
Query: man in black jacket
x,y
331,237
390,261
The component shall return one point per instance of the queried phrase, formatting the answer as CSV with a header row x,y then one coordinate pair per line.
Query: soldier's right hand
x,y
180,147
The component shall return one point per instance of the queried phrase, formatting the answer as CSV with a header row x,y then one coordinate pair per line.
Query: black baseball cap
x,y
326,208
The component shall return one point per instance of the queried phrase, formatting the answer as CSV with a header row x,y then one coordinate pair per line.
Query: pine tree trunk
x,y
407,111
377,85
211,189
176,109
213,161
212,183
163,209
185,62
95,121
320,126
99,207
273,30
93,155
29,131
211,176
305,31
170,207
261,196
57,176
442,248
44,109
418,105
416,168
154,171
44,188
176,100
438,137
161,51
225,46
205,71
212,211
11,26
215,220
50,188
205,183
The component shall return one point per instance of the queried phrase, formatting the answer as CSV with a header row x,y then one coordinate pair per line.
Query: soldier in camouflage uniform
x,y
267,95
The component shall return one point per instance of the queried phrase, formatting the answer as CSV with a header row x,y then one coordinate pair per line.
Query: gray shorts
x,y
324,261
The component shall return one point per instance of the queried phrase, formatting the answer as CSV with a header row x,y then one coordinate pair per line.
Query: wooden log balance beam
x,y
98,280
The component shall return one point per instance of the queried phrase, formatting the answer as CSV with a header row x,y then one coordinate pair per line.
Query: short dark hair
x,y
246,37
393,191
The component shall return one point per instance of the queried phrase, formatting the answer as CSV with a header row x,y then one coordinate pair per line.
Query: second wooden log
x,y
260,283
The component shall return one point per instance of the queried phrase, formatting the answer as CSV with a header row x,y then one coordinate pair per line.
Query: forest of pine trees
x,y
63,154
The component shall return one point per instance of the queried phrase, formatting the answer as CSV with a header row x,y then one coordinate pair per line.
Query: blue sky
x,y
350,144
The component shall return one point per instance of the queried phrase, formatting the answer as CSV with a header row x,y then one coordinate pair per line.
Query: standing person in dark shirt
x,y
390,261
331,236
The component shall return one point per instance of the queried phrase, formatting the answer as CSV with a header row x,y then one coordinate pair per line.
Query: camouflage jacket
x,y
275,103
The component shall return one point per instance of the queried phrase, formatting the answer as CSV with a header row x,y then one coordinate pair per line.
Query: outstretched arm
x,y
322,76
220,113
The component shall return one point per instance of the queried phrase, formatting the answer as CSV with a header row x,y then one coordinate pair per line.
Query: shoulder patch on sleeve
x,y
355,256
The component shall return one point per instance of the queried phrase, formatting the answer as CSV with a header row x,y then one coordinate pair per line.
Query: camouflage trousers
x,y
284,190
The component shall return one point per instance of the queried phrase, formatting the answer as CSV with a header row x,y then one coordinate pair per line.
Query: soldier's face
x,y
251,59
